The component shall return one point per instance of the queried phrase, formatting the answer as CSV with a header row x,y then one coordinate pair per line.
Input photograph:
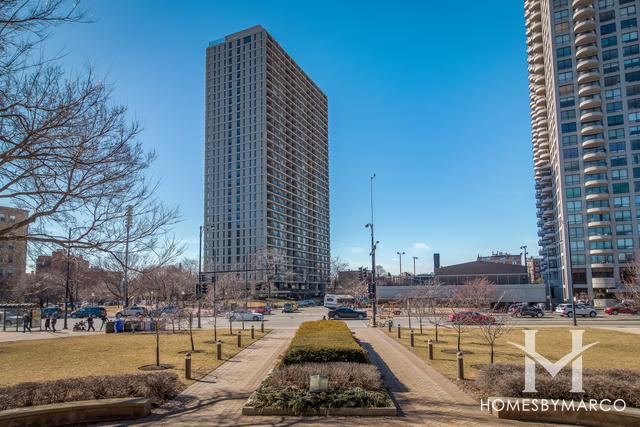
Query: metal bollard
x,y
262,326
460,366
187,366
253,332
239,339
411,343
399,333
430,349
219,350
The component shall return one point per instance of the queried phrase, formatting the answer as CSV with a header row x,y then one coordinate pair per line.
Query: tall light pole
x,y
400,255
372,289
66,283
128,221
199,287
524,248
414,266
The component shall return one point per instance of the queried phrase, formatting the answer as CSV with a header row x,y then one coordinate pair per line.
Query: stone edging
x,y
607,417
72,413
349,412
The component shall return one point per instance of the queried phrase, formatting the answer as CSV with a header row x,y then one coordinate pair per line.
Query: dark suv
x,y
89,311
347,313
528,310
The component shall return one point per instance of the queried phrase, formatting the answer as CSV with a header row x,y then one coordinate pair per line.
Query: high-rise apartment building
x,y
584,82
13,253
266,210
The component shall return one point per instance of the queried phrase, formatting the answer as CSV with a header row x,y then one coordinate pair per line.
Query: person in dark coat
x,y
54,319
90,324
26,322
103,317
47,324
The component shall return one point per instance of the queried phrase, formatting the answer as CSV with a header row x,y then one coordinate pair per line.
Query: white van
x,y
335,301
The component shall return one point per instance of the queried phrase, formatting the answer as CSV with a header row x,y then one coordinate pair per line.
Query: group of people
x,y
50,323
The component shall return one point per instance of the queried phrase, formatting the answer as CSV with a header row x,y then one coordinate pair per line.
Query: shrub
x,y
508,381
159,387
324,341
303,402
342,376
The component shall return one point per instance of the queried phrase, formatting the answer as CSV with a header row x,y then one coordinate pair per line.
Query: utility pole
x,y
66,284
372,289
128,220
199,296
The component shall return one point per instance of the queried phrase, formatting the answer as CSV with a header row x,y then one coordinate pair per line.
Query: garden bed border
x,y
388,411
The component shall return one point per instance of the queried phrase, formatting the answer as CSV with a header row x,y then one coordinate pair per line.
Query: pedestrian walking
x,y
26,322
90,324
103,317
47,324
54,319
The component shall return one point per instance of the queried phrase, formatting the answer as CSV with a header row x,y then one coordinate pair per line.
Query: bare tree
x,y
269,262
68,155
492,331
474,294
630,288
337,266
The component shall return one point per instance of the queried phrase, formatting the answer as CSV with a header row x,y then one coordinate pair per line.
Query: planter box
x,y
390,411
74,413
608,417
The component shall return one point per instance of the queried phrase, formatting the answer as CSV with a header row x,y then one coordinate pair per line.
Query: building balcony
x,y
598,223
596,182
586,38
593,142
592,129
584,25
584,12
600,251
596,196
588,76
602,265
590,102
591,116
589,88
599,237
595,169
598,210
603,282
587,51
594,156
579,3
587,64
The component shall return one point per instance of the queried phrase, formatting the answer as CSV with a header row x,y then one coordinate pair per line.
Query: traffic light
x,y
203,278
204,288
198,289
360,274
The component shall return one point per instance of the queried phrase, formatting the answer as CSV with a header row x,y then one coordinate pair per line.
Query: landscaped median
x,y
322,351
610,378
106,366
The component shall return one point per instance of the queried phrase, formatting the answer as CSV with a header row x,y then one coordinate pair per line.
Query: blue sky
x,y
431,96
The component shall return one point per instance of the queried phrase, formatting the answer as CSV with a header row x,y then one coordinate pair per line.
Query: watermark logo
x,y
532,356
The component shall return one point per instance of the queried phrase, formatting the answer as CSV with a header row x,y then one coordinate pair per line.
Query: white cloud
x,y
421,246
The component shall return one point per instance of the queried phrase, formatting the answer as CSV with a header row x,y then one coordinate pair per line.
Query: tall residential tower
x,y
266,213
584,85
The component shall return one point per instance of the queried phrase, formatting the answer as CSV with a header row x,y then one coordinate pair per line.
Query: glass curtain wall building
x,y
266,203
584,85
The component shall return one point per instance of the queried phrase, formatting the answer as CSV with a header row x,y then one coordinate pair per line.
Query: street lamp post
x,y
128,220
372,289
66,283
400,255
414,266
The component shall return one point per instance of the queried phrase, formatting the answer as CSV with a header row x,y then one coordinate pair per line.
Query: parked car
x,y
244,315
527,310
581,310
166,310
10,318
307,303
132,311
347,313
471,317
515,307
263,310
89,311
50,311
288,308
621,308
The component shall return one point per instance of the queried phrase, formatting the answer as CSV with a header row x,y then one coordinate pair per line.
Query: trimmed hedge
x,y
159,387
324,341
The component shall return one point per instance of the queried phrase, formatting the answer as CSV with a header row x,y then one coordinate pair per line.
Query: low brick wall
x,y
73,413
391,411
607,417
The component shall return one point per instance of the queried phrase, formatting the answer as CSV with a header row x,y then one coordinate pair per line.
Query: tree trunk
x,y
491,363
191,331
421,326
436,332
459,338
157,343
230,326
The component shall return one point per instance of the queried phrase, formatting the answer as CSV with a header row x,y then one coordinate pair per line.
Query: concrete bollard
x,y
430,349
239,339
253,332
411,343
399,333
262,326
187,366
460,366
219,350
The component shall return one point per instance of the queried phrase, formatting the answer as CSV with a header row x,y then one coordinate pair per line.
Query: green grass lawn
x,y
615,349
107,354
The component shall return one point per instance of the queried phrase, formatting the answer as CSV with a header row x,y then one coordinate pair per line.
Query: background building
x,y
584,85
534,268
13,254
495,272
502,258
266,210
